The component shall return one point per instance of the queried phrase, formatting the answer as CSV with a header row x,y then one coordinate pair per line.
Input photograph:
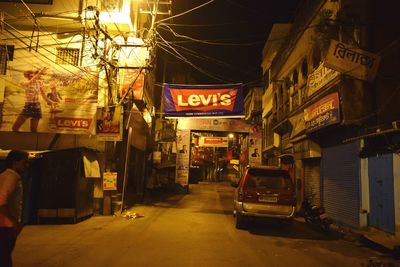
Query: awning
x,y
286,158
283,127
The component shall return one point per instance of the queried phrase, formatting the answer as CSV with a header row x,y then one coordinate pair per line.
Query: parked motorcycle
x,y
315,215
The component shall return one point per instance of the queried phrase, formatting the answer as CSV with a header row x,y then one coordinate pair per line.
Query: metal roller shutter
x,y
312,180
341,183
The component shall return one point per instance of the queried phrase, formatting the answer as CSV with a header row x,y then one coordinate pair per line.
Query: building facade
x,y
329,104
85,68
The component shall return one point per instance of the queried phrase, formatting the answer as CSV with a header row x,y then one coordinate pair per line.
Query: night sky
x,y
240,29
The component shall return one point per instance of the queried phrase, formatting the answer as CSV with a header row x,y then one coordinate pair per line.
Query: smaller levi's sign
x,y
207,141
203,100
323,113
352,61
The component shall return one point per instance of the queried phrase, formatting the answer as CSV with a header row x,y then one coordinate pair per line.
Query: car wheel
x,y
240,221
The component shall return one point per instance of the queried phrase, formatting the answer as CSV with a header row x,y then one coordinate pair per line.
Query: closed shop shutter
x,y
381,193
341,183
312,180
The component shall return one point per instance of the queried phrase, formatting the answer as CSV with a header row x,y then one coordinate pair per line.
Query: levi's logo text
x,y
75,123
203,100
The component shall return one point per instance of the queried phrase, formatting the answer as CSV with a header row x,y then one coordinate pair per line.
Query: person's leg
x,y
7,243
34,125
18,122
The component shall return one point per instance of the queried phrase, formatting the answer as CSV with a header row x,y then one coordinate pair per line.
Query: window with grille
x,y
68,56
6,54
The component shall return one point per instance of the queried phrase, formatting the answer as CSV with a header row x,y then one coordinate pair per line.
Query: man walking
x,y
11,204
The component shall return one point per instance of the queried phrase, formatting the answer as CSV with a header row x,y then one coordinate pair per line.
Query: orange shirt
x,y
10,195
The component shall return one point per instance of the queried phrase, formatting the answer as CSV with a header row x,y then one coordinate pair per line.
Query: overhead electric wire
x,y
185,12
184,59
204,25
208,42
188,62
207,58
44,35
178,55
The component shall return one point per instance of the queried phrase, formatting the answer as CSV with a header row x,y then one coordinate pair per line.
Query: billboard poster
x,y
255,145
203,100
182,157
43,99
110,180
109,124
323,113
132,79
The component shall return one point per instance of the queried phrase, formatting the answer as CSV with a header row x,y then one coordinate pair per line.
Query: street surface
x,y
196,229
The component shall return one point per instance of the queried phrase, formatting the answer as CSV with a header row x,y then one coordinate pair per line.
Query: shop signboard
x,y
110,181
222,125
319,78
213,141
352,61
203,101
323,113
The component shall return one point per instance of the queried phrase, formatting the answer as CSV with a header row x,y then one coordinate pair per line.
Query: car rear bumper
x,y
265,210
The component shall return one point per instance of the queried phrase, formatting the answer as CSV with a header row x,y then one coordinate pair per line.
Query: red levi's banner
x,y
202,100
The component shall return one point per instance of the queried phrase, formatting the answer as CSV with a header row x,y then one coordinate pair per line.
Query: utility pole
x,y
152,36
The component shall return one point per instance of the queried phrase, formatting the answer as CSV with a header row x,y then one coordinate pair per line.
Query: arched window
x,y
304,68
295,77
275,104
316,57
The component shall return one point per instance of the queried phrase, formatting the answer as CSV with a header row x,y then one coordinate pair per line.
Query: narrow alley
x,y
195,229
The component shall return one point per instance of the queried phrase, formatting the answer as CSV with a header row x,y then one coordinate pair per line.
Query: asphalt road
x,y
196,229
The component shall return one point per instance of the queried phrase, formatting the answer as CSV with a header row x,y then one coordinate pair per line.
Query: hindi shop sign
x,y
352,61
203,100
319,78
323,113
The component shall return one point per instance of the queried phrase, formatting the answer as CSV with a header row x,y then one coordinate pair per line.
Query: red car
x,y
264,191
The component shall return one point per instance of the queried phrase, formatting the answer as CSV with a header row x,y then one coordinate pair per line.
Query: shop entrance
x,y
216,156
